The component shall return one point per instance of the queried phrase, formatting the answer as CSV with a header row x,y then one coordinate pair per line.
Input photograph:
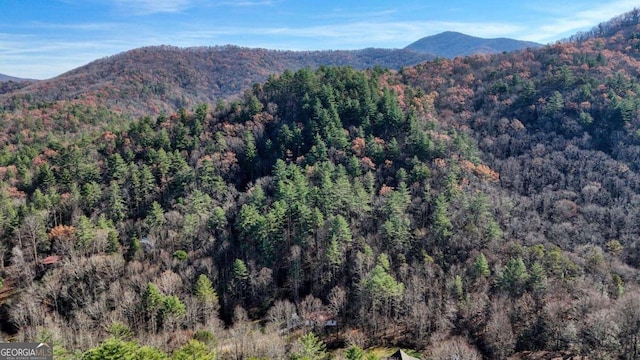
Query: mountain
x,y
165,78
9,84
4,77
450,44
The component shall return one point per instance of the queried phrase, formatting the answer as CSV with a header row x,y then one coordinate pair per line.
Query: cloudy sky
x,y
44,38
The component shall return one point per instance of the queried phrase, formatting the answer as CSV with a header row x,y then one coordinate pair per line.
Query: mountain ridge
x,y
165,78
5,77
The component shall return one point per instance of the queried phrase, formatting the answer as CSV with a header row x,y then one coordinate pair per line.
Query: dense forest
x,y
480,207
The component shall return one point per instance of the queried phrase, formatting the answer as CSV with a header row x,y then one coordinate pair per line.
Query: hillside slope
x,y
165,78
4,77
451,44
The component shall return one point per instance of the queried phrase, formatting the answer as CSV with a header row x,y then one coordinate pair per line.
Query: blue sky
x,y
44,38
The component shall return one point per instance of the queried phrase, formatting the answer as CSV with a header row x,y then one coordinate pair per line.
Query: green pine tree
x,y
481,266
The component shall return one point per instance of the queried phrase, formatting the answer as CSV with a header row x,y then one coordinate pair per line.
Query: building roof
x,y
401,355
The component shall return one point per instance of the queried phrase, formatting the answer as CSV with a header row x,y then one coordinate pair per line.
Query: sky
x,y
44,38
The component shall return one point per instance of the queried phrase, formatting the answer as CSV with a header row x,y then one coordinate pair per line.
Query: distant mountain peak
x,y
450,44
4,77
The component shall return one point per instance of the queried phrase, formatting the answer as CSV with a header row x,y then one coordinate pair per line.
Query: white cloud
x,y
247,3
568,21
31,56
346,14
98,26
148,7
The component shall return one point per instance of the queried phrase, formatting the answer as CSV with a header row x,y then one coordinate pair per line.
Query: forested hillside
x,y
484,207
154,79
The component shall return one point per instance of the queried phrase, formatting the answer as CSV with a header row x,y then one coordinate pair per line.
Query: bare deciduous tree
x,y
498,335
455,348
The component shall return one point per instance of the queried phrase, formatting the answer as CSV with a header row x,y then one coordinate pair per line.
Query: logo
x,y
26,351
